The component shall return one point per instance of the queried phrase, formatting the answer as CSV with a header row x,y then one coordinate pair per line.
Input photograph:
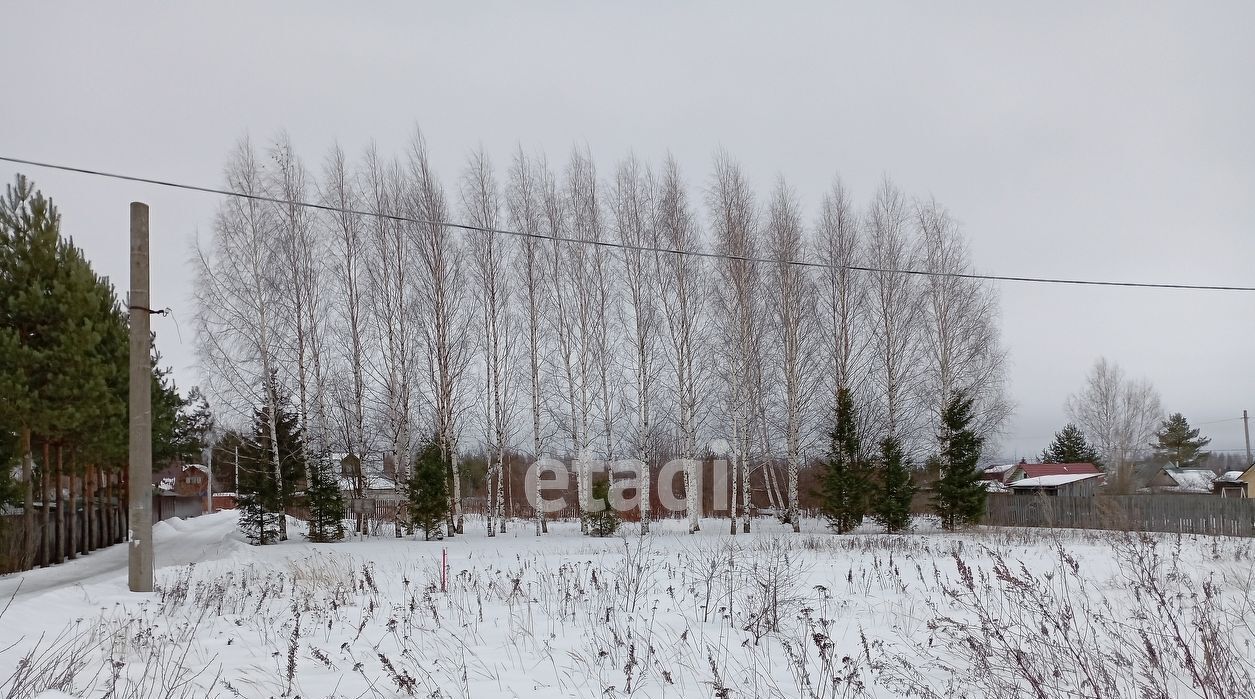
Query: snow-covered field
x,y
772,614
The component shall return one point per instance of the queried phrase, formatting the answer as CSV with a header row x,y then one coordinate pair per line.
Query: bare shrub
x,y
775,574
1157,631
707,572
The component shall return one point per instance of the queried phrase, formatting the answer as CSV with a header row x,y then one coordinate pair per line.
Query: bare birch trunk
x,y
893,309
338,192
739,305
445,326
492,261
961,338
237,289
634,223
681,284
526,216
794,319
842,307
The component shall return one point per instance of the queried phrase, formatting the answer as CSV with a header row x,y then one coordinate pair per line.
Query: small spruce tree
x,y
325,503
846,483
891,502
960,496
600,518
258,502
1071,447
428,490
263,499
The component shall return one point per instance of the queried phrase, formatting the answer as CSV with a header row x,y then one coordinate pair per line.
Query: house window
x,y
193,480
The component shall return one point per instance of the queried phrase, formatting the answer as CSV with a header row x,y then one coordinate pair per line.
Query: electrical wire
x,y
624,246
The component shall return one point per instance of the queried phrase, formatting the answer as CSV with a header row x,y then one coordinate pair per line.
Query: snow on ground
x,y
772,614
175,542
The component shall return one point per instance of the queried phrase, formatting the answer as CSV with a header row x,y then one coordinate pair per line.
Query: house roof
x,y
1198,479
997,472
1231,476
374,481
1053,480
995,486
1037,470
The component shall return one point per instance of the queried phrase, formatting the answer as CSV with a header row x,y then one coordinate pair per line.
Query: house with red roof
x,y
1024,470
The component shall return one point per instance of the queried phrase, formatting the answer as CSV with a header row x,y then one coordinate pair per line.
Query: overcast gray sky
x,y
1106,141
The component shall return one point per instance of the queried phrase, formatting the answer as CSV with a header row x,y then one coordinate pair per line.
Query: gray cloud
x,y
1102,141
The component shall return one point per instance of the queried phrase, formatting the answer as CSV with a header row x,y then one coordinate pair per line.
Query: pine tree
x,y
891,502
192,425
846,483
428,489
32,326
1071,447
171,432
63,346
960,496
1179,444
600,518
263,499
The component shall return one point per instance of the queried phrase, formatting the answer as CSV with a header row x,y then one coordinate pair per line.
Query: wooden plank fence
x,y
79,527
1176,513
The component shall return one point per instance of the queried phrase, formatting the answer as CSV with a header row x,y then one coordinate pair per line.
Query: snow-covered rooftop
x,y
1053,480
1231,476
1198,479
373,482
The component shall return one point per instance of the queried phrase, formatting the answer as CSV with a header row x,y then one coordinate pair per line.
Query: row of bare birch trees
x,y
556,310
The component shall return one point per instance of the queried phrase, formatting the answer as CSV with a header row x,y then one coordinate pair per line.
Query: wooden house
x,y
1235,484
1068,484
1182,480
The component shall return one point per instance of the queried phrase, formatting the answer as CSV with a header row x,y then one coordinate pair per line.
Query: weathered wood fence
x,y
79,526
1178,513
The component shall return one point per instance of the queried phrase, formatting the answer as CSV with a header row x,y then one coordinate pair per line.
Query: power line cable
x,y
623,246
1216,422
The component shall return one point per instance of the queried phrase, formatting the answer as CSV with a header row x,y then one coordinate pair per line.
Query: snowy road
x,y
175,542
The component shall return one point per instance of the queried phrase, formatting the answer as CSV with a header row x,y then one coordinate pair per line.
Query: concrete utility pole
x,y
140,473
1246,427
